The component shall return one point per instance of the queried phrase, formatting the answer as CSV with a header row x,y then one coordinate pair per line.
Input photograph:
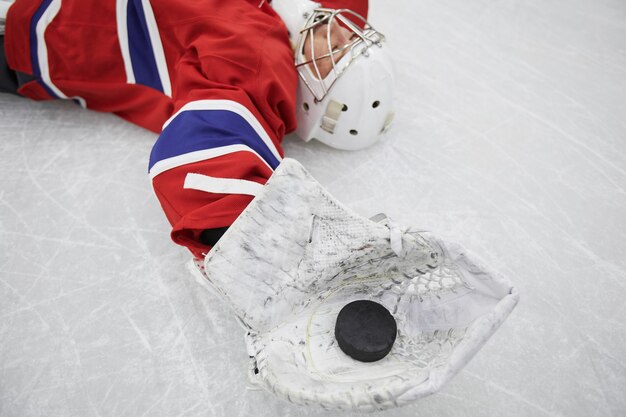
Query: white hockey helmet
x,y
352,105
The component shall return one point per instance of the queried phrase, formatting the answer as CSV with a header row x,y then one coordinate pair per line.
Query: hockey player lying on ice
x,y
215,78
339,310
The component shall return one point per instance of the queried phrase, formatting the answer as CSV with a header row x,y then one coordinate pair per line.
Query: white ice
x,y
510,139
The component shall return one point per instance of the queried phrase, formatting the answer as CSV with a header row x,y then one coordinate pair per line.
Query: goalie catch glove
x,y
296,257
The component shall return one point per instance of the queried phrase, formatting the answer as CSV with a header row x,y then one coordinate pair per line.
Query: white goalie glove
x,y
296,257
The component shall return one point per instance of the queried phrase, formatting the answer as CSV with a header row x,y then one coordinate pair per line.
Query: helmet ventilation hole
x,y
354,132
305,106
344,108
376,104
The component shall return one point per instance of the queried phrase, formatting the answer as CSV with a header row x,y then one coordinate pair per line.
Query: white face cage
x,y
364,36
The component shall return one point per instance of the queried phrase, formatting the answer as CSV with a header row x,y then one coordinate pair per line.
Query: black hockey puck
x,y
365,330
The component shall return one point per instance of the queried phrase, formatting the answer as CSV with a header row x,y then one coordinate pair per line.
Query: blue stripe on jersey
x,y
197,130
140,47
34,57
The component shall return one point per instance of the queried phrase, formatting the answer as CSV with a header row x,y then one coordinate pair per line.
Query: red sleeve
x,y
223,128
191,211
359,6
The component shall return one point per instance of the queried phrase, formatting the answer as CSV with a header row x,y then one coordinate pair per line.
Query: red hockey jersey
x,y
215,78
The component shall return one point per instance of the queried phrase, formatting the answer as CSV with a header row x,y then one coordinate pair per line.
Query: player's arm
x,y
211,158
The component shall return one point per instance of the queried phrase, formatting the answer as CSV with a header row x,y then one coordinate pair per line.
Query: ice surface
x,y
509,139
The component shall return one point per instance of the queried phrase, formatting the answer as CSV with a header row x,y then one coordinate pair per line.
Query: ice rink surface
x,y
510,139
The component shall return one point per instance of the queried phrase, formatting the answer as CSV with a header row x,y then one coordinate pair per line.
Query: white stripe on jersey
x,y
42,50
121,9
216,185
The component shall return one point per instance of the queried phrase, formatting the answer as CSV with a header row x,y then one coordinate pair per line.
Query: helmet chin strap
x,y
331,116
